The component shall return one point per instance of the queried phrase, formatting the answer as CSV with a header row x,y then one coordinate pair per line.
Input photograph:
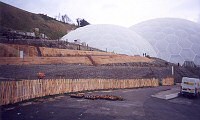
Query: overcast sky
x,y
118,12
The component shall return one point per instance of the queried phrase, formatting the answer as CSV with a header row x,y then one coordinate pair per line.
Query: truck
x,y
190,86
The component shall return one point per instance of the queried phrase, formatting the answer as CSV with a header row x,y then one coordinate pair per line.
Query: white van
x,y
190,86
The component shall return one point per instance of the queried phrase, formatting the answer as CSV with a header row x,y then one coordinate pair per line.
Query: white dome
x,y
175,40
113,38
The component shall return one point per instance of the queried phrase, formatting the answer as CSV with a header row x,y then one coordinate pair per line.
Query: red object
x,y
40,75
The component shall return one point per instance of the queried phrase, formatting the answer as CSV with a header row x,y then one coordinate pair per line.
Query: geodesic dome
x,y
175,40
111,38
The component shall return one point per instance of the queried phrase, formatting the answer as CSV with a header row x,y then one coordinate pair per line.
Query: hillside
x,y
18,19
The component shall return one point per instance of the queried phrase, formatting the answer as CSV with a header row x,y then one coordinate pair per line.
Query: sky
x,y
119,12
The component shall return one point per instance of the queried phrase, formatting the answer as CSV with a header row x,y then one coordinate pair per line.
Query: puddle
x,y
11,108
81,100
106,91
25,104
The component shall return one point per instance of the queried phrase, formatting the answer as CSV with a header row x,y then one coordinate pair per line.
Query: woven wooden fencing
x,y
168,81
16,91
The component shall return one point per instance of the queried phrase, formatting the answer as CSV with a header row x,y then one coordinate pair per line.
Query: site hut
x,y
77,41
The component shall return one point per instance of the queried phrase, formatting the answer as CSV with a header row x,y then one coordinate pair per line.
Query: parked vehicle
x,y
190,86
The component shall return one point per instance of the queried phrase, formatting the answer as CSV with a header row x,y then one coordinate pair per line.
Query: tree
x,y
82,22
63,19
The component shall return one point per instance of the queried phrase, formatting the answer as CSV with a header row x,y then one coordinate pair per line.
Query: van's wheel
x,y
179,94
197,93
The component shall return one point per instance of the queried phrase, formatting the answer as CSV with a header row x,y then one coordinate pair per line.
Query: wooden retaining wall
x,y
16,91
120,59
12,50
55,52
44,60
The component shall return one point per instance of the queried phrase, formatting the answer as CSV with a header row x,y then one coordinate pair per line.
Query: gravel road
x,y
17,72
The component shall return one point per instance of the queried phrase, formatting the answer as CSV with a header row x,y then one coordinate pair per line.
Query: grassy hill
x,y
18,19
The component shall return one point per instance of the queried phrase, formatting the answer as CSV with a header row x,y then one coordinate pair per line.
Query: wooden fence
x,y
168,81
16,91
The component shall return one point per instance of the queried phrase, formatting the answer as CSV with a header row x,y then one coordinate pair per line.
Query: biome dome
x,y
111,38
175,40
